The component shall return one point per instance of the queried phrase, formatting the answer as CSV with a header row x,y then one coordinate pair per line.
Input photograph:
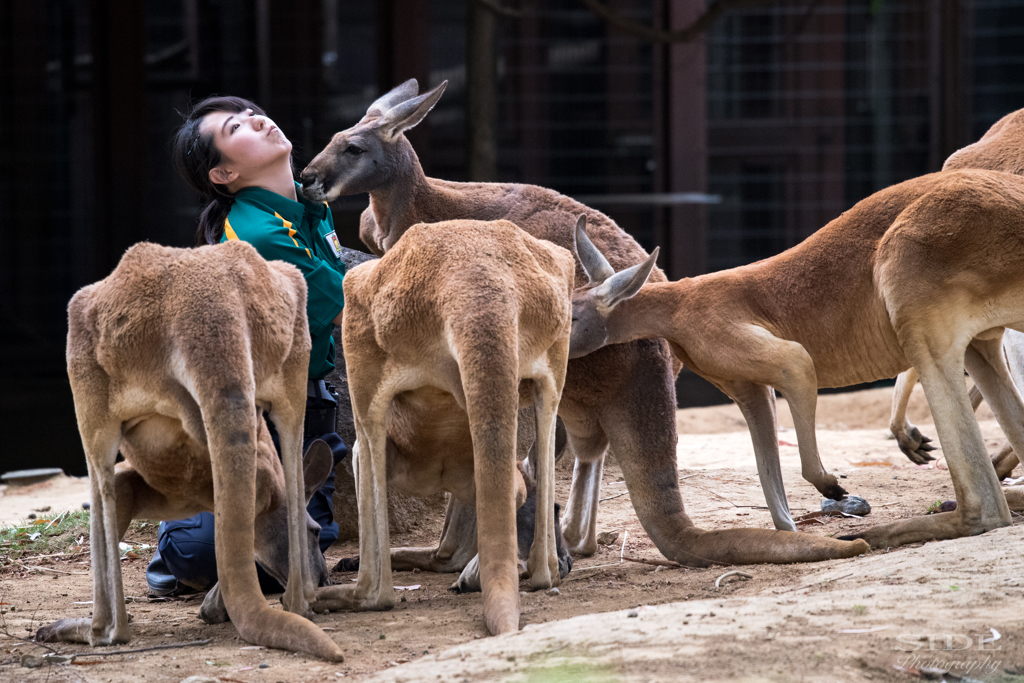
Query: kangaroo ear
x,y
626,283
405,115
398,94
595,265
316,467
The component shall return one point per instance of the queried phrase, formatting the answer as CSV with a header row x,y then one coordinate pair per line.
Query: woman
x,y
239,161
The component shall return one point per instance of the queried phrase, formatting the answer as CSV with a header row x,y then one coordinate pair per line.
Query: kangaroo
x,y
171,359
622,396
1001,148
459,324
924,274
526,447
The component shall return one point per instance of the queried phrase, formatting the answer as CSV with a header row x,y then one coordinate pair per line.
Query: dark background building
x,y
723,151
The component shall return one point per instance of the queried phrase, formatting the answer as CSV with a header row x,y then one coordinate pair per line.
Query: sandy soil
x,y
852,620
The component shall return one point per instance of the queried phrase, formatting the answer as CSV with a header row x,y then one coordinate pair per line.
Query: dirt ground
x,y
939,604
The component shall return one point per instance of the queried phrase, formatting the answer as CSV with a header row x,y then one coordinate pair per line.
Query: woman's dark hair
x,y
194,154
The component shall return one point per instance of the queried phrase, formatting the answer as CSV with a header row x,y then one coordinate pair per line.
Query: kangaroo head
x,y
272,528
373,152
592,304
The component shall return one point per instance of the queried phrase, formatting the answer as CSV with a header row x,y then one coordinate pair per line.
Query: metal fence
x,y
802,108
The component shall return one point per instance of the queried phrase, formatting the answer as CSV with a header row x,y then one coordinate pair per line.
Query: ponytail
x,y
193,154
211,220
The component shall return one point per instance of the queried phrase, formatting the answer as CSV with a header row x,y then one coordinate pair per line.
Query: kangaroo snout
x,y
311,180
308,177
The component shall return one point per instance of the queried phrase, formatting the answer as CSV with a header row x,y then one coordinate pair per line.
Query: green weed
x,y
55,533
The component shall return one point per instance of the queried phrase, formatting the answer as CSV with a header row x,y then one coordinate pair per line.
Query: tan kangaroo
x,y
459,323
462,547
171,359
1000,149
621,397
927,274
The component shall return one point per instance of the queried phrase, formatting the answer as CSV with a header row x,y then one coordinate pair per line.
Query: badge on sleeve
x,y
332,241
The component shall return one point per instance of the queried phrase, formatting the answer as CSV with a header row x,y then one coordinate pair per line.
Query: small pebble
x,y
264,665
86,506
523,594
851,505
31,661
632,613
554,591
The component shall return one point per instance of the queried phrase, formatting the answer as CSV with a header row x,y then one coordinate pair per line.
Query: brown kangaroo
x,y
924,274
457,325
171,359
1000,149
526,445
622,397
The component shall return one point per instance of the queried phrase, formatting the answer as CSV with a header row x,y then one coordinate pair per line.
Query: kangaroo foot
x,y
930,528
830,488
65,631
213,610
916,446
82,631
353,598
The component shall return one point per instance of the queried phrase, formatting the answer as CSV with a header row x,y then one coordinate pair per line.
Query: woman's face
x,y
249,144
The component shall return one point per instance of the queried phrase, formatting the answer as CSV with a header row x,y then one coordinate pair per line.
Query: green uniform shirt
x,y
301,233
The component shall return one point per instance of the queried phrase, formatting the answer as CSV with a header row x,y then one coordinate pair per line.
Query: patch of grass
x,y
860,610
934,508
49,534
60,533
571,672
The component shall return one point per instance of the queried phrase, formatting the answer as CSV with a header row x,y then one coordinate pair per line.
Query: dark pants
x,y
185,549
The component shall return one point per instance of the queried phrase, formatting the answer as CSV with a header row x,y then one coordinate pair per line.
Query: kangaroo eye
x,y
352,149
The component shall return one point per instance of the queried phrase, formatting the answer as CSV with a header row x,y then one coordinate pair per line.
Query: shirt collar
x,y
288,209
